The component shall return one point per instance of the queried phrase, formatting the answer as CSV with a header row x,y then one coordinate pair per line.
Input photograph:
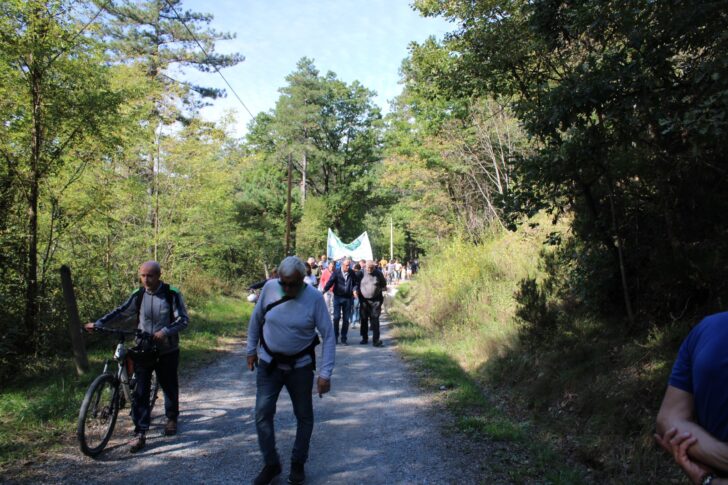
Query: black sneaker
x,y
138,443
297,475
364,341
344,342
267,474
378,343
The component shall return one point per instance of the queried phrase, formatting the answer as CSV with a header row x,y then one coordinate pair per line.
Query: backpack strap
x,y
170,295
283,358
139,292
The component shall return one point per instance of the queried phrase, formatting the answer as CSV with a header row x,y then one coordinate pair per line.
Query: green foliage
x,y
492,314
626,108
534,311
101,168
157,35
37,411
311,231
260,205
57,104
454,153
330,131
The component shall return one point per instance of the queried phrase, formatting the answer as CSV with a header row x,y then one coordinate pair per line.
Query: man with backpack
x,y
160,313
370,288
282,342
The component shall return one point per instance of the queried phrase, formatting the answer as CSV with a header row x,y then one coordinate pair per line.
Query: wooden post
x,y
74,322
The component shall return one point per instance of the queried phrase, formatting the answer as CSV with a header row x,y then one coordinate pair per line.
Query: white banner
x,y
359,248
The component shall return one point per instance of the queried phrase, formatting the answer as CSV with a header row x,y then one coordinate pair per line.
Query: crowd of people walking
x,y
300,305
308,303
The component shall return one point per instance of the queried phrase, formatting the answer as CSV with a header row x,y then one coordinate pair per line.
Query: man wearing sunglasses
x,y
281,342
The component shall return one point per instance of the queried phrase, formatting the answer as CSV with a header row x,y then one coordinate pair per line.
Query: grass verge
x,y
577,389
38,411
521,458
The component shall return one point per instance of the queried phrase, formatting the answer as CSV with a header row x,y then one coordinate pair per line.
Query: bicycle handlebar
x,y
118,331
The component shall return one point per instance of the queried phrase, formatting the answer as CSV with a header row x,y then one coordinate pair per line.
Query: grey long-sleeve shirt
x,y
291,326
153,316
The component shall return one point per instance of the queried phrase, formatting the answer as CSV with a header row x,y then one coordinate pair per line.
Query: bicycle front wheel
x,y
98,413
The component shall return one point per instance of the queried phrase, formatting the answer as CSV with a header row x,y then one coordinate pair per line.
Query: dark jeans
x,y
342,305
370,311
298,383
166,368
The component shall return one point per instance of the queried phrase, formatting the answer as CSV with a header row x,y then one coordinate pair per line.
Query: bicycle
x,y
107,394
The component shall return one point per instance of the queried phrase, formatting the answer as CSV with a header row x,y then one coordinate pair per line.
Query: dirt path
x,y
375,427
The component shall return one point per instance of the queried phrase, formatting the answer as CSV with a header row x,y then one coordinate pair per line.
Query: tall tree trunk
x,y
304,169
288,207
153,71
31,276
620,258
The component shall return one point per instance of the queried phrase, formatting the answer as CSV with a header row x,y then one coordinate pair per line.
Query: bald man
x,y
159,311
371,288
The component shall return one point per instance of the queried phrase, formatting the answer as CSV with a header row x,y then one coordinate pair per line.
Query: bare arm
x,y
678,445
676,412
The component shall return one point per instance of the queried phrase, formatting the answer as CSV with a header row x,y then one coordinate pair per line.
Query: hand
x,y
324,386
252,360
677,444
159,336
89,327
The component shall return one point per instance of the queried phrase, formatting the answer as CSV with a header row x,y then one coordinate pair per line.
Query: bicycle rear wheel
x,y
97,417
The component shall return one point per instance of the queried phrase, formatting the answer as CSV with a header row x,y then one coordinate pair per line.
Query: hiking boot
x,y
138,443
267,474
297,475
170,429
378,343
364,341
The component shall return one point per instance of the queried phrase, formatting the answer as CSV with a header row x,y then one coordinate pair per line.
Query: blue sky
x,y
364,40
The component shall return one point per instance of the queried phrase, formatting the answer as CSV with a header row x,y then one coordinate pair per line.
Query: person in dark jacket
x,y
159,311
343,281
370,289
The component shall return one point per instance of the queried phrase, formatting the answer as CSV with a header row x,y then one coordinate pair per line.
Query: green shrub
x,y
516,318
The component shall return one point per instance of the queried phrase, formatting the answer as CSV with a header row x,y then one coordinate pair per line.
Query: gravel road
x,y
375,427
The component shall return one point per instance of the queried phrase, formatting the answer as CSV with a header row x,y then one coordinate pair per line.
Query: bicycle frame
x,y
123,375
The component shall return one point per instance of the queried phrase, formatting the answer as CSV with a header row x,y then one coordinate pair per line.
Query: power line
x,y
194,37
70,42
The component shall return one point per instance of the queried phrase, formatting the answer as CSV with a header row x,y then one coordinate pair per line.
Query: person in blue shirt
x,y
692,424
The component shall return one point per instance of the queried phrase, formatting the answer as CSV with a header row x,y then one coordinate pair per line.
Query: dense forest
x,y
594,127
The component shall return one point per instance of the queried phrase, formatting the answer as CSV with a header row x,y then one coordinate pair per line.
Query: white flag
x,y
359,248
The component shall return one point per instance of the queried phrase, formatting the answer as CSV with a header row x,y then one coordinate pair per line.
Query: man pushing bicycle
x,y
160,312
